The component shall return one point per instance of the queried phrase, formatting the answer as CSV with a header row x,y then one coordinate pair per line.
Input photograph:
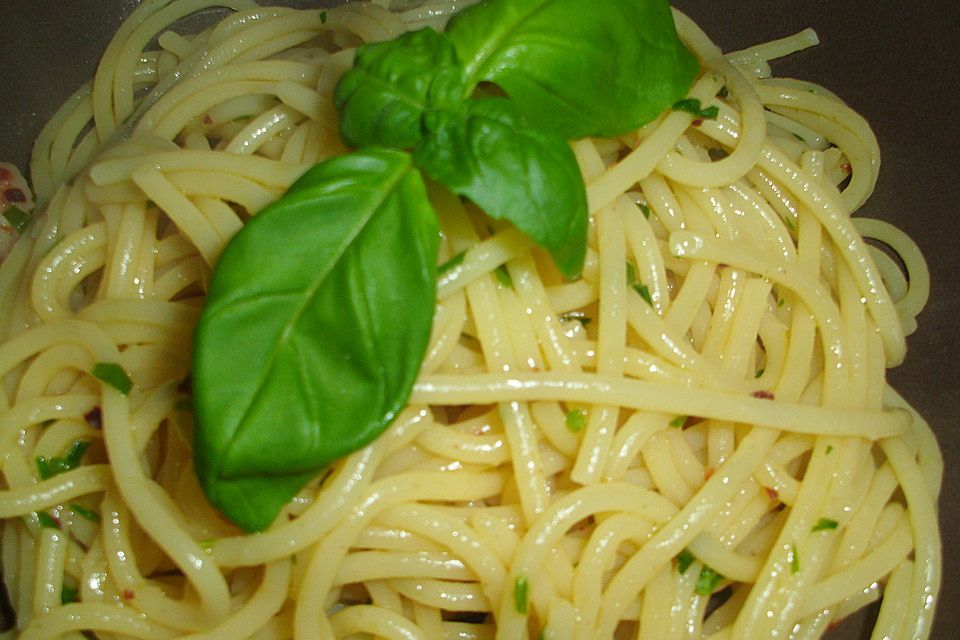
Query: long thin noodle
x,y
695,439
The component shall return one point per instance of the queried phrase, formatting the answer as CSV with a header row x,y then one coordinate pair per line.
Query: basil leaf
x,y
315,326
577,67
382,98
484,151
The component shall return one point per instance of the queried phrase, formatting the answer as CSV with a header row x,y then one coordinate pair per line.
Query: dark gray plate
x,y
892,61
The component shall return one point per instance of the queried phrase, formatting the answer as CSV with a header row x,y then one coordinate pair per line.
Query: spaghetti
x,y
694,439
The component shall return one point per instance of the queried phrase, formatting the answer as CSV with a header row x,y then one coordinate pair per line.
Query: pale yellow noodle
x,y
709,395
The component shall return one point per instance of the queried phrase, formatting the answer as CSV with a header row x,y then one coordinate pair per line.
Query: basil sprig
x,y
320,308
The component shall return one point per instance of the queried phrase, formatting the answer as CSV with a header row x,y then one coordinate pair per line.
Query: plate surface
x,y
894,64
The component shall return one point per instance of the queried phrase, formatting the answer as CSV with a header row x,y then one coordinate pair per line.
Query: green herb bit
x,y
645,209
794,559
17,217
47,521
829,449
69,594
576,420
695,108
644,292
781,302
684,559
50,467
825,524
521,594
114,375
631,274
679,422
85,512
578,316
503,276
452,263
707,582
323,17
759,372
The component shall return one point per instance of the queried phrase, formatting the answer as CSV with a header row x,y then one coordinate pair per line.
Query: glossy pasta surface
x,y
693,440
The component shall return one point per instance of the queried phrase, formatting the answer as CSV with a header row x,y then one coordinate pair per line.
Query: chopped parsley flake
x,y
17,217
521,594
638,286
323,17
707,582
644,293
114,375
576,419
679,421
85,512
684,560
646,210
794,559
759,373
47,521
69,594
825,524
54,466
695,108
503,276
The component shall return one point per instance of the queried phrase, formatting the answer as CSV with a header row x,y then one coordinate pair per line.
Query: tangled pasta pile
x,y
694,439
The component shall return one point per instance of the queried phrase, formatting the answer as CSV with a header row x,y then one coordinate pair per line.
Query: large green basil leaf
x,y
485,152
382,98
577,67
317,321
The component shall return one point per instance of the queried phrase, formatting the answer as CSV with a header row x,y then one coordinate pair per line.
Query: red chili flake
x,y
128,594
207,119
5,175
833,625
763,395
697,122
772,493
708,473
94,418
846,168
14,195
